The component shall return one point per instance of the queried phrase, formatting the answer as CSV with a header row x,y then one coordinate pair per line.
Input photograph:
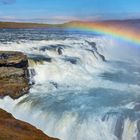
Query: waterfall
x,y
84,88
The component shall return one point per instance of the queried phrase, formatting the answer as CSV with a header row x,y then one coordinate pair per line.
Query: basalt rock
x,y
13,129
93,45
14,78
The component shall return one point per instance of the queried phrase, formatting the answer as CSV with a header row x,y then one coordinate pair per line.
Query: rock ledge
x,y
14,78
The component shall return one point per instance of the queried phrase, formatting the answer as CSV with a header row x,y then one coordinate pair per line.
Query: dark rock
x,y
40,58
72,60
60,51
14,77
54,84
52,47
3,56
119,127
93,45
102,57
138,128
138,125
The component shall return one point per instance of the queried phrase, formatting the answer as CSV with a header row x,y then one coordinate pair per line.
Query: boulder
x,y
13,129
14,78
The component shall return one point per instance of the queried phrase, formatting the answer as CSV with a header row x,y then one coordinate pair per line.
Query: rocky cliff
x,y
12,129
14,82
13,74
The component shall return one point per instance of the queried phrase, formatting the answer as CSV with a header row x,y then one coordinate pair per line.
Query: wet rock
x,y
32,73
14,75
40,58
13,59
119,127
13,129
52,47
93,45
59,50
138,128
102,57
138,125
72,60
54,84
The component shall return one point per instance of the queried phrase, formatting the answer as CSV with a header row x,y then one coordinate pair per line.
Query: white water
x,y
78,101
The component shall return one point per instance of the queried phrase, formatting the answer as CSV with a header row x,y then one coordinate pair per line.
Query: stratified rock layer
x,y
14,82
12,129
13,74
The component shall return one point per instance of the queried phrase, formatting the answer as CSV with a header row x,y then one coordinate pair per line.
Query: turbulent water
x,y
85,86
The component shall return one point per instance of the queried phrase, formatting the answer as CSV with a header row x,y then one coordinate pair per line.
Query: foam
x,y
70,100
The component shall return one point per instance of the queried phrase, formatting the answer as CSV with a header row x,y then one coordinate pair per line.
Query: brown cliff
x,y
13,129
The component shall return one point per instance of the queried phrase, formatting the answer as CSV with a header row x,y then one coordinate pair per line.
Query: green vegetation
x,y
24,25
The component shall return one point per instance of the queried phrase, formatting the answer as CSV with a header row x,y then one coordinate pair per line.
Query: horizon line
x,y
104,20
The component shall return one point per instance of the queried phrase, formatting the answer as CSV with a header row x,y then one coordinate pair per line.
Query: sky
x,y
59,11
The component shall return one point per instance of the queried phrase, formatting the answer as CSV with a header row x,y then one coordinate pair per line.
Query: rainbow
x,y
119,30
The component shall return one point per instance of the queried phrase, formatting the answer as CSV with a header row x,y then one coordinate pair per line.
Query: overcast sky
x,y
59,11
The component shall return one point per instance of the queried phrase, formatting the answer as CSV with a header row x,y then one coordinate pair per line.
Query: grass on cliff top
x,y
26,25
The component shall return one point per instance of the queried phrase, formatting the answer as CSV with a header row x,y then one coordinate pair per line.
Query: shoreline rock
x,y
13,129
14,77
14,82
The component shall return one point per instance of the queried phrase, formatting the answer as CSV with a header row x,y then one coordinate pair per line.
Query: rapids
x,y
86,86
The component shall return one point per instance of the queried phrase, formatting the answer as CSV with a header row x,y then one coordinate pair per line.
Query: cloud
x,y
7,18
49,19
6,2
57,19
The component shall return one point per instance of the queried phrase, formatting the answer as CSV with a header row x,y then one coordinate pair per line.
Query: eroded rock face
x,y
12,129
14,79
14,82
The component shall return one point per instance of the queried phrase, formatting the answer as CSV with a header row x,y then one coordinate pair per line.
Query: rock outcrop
x,y
13,129
14,80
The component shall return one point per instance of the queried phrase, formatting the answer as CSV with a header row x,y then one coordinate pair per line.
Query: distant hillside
x,y
128,22
23,25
